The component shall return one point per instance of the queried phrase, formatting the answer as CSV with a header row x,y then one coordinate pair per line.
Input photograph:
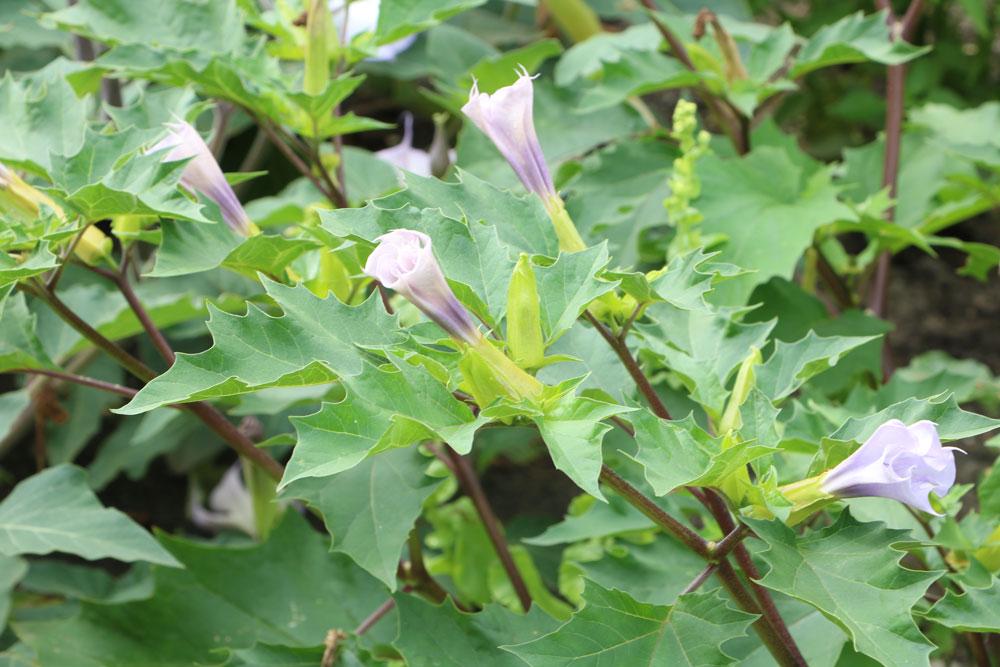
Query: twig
x,y
641,502
838,288
733,123
121,281
79,379
701,578
53,280
632,366
375,616
770,612
469,481
629,322
292,156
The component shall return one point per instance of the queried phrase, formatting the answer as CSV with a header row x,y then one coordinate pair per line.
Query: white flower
x,y
506,117
905,463
230,506
404,156
362,17
404,261
203,174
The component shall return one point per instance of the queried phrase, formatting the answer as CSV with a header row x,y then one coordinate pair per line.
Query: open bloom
x,y
506,117
203,174
905,463
404,261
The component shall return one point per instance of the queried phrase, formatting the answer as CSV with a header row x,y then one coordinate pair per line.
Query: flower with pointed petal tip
x,y
905,463
230,505
403,155
507,118
404,261
203,174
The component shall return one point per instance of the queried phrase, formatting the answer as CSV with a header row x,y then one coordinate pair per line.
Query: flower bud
x,y
203,174
317,55
404,261
21,201
93,247
524,319
905,463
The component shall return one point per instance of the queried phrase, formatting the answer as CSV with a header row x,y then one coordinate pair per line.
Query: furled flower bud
x,y
22,201
905,463
203,174
507,118
404,261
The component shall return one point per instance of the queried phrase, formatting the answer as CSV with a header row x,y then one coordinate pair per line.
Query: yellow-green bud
x,y
93,247
317,57
489,374
524,319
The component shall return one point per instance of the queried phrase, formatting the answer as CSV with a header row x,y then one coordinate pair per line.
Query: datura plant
x,y
454,332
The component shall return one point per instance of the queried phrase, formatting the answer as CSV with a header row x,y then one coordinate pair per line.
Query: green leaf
x,y
186,24
315,341
768,207
683,283
108,177
42,116
677,453
19,343
471,256
270,655
39,261
12,570
519,218
404,17
573,431
289,591
851,573
443,636
55,510
383,409
619,193
703,347
971,133
853,39
953,423
614,629
975,610
655,573
190,248
792,364
370,509
600,520
567,286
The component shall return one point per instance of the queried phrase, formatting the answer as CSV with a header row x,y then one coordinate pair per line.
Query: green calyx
x,y
490,375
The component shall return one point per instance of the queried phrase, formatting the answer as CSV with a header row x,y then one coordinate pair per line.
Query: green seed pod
x,y
318,24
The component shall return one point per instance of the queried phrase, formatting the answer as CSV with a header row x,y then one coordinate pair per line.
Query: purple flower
x,y
403,155
203,174
404,261
506,118
905,463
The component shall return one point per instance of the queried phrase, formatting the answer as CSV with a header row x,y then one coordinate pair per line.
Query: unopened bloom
x,y
507,118
404,261
203,174
905,463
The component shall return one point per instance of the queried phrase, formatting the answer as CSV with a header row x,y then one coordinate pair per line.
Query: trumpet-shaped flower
x,y
506,117
203,174
905,463
404,261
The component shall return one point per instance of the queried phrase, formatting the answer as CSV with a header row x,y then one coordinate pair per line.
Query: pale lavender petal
x,y
904,463
404,156
404,261
507,118
362,17
202,173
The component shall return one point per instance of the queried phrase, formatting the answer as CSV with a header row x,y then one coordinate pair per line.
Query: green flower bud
x,y
524,319
317,56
